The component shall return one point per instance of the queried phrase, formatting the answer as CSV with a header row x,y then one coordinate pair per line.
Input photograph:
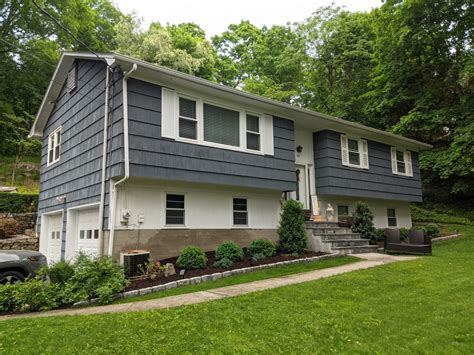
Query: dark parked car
x,y
17,265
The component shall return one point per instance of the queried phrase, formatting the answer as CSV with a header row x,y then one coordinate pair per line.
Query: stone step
x,y
338,236
332,230
347,242
312,224
355,249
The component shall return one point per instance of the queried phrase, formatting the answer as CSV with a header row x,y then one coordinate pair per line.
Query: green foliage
x,y
258,257
261,246
231,251
223,263
404,233
430,214
151,270
291,232
363,221
7,297
18,203
379,235
191,258
95,277
432,230
59,272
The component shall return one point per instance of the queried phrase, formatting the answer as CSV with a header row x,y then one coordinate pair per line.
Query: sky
x,y
215,15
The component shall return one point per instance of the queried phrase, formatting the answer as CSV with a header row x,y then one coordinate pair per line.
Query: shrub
x,y
95,277
431,230
291,232
59,272
421,214
363,221
404,233
223,263
191,257
231,251
258,256
36,295
151,270
7,299
379,234
18,203
9,227
261,246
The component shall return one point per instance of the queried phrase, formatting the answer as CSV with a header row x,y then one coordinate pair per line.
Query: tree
x,y
363,221
291,229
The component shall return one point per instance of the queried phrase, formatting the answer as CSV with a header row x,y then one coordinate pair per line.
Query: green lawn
x,y
251,276
426,305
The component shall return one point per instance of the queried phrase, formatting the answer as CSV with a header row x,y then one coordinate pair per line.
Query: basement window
x,y
174,209
391,217
240,212
54,142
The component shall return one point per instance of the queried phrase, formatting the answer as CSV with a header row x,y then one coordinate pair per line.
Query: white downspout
x,y
113,198
104,155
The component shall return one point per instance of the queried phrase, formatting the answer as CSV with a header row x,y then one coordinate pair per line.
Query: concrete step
x,y
355,249
332,230
338,236
347,243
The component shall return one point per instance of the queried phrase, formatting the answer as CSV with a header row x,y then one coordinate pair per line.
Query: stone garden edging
x,y
205,278
448,237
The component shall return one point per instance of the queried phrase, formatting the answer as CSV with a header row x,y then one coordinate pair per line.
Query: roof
x,y
165,76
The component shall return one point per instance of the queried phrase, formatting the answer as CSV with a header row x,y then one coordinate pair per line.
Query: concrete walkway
x,y
370,260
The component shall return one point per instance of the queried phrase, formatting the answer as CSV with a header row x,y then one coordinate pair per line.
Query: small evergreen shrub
x,y
432,230
191,258
363,222
261,246
223,263
379,234
231,251
291,232
258,257
404,233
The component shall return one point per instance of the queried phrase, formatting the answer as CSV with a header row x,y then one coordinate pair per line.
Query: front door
x,y
301,185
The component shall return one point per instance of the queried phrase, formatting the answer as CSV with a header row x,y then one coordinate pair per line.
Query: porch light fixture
x,y
61,199
299,149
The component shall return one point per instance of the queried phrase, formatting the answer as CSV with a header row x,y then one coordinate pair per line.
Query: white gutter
x,y
104,154
113,201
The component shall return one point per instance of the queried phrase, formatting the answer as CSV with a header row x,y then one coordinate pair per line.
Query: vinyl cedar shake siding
x,y
332,178
152,156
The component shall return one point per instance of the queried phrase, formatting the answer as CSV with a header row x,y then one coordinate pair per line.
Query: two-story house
x,y
138,156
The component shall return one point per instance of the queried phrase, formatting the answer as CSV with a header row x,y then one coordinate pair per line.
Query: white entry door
x,y
88,231
54,232
302,186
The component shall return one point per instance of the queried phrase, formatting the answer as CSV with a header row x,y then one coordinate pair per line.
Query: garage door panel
x,y
88,232
54,233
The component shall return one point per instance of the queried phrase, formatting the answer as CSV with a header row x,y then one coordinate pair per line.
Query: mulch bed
x,y
247,262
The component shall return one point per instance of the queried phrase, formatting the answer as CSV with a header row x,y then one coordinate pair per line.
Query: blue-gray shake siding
x,y
332,178
153,156
80,114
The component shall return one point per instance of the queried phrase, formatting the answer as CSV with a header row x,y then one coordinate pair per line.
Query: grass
x,y
251,276
27,174
419,306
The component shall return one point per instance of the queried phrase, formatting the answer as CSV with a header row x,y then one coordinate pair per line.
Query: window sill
x,y
240,227
354,166
177,226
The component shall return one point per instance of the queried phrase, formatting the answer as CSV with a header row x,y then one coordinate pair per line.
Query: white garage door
x,y
55,226
88,231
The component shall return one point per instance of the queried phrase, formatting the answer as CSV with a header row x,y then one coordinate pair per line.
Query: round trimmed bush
x,y
191,258
261,246
432,230
231,251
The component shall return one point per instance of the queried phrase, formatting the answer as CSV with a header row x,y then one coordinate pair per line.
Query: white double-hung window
x,y
401,162
354,152
196,120
54,142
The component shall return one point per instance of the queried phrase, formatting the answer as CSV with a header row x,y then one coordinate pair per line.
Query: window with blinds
x,y
174,209
187,118
221,125
240,212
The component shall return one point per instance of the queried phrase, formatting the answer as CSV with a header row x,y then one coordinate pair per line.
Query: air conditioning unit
x,y
131,259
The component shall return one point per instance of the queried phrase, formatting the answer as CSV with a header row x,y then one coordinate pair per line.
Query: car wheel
x,y
11,277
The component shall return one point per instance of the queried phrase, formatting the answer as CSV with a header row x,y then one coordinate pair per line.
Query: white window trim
x,y
396,218
240,226
174,226
407,160
174,132
259,133
363,150
52,137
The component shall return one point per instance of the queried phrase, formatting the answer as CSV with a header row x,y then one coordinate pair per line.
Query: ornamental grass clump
x,y
291,232
363,222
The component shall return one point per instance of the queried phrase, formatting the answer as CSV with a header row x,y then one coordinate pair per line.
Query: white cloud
x,y
214,16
